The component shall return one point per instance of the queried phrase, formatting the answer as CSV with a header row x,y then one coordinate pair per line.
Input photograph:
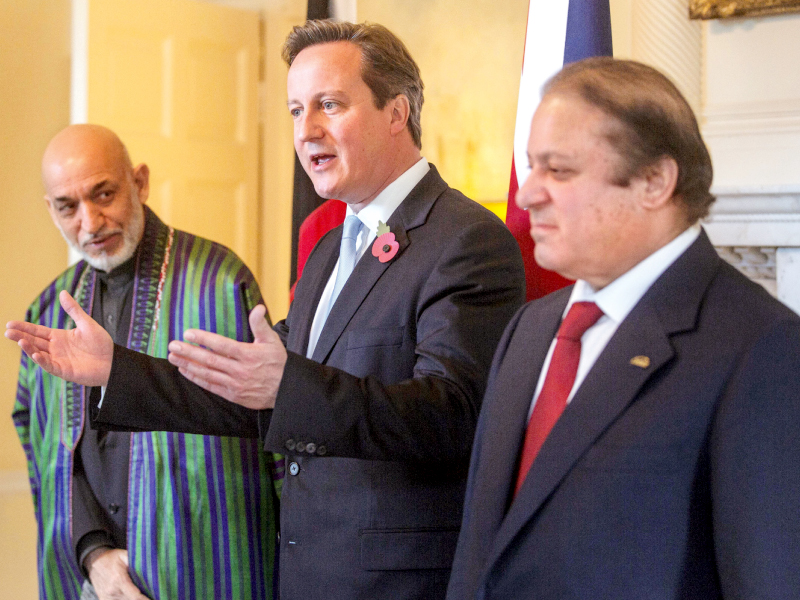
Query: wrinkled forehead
x,y
81,147
79,172
324,65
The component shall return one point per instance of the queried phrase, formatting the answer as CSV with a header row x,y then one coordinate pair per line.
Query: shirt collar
x,y
618,298
385,203
121,275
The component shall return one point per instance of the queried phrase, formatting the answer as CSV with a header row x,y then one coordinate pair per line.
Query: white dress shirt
x,y
380,209
616,300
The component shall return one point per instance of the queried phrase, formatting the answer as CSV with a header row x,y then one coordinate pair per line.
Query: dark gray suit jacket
x,y
378,427
676,480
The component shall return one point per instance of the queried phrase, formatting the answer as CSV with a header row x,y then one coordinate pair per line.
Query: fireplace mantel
x,y
757,229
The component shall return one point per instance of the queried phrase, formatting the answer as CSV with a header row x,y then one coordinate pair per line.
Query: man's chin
x,y
545,259
325,193
323,186
108,261
104,262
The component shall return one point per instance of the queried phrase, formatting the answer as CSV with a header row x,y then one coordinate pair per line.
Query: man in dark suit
x,y
376,401
651,450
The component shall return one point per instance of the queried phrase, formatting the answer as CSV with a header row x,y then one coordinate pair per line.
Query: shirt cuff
x,y
91,542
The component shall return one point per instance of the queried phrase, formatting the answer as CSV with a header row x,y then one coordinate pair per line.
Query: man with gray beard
x,y
142,515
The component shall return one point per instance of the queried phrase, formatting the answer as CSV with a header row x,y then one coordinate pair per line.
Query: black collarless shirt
x,y
100,472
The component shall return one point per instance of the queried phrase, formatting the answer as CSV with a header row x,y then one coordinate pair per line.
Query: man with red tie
x,y
638,435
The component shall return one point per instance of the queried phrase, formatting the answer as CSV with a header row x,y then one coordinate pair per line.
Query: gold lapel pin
x,y
641,361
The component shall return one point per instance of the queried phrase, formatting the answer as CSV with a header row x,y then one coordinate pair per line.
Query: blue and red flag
x,y
559,32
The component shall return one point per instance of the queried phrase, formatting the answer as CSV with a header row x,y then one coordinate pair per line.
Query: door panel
x,y
178,81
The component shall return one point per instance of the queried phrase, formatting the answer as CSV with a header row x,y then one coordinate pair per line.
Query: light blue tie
x,y
347,255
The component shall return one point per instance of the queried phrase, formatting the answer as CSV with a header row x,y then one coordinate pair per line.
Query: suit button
x,y
294,468
290,444
300,447
311,447
113,508
321,450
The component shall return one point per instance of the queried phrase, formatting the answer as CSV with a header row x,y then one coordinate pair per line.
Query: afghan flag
x,y
559,32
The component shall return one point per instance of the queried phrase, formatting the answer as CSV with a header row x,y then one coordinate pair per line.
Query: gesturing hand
x,y
244,373
82,355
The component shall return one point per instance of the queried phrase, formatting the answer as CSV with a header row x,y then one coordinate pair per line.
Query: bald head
x,y
94,194
81,145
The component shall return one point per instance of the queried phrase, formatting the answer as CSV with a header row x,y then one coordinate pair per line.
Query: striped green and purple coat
x,y
202,511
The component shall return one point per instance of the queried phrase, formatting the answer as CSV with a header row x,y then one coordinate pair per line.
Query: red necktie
x,y
557,383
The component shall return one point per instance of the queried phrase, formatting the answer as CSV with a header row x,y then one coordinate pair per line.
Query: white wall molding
x,y
752,118
757,230
765,215
757,262
751,102
756,200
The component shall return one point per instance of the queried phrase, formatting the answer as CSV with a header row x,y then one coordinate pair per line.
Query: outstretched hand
x,y
248,374
82,355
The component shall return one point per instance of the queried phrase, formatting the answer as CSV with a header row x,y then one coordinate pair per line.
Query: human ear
x,y
51,210
141,179
400,111
660,179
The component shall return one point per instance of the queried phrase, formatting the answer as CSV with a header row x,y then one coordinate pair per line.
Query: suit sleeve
x,y
145,393
478,526
164,401
282,330
755,477
90,529
476,286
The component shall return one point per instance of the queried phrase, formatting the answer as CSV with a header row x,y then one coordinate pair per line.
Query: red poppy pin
x,y
385,246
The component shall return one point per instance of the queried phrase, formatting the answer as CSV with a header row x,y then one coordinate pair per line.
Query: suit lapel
x,y
644,333
587,417
508,418
357,287
411,213
316,273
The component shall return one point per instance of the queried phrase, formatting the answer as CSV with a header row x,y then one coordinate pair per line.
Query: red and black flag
x,y
559,32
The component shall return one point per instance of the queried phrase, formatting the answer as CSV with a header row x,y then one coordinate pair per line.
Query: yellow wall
x,y
34,105
277,158
470,55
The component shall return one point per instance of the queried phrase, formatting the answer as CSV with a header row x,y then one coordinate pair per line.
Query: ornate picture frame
x,y
721,9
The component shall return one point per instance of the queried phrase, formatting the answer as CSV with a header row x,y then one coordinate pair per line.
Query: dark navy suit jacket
x,y
392,395
378,426
675,480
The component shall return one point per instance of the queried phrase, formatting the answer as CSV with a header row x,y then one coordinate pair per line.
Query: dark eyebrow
x,y
549,155
95,188
98,186
319,95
